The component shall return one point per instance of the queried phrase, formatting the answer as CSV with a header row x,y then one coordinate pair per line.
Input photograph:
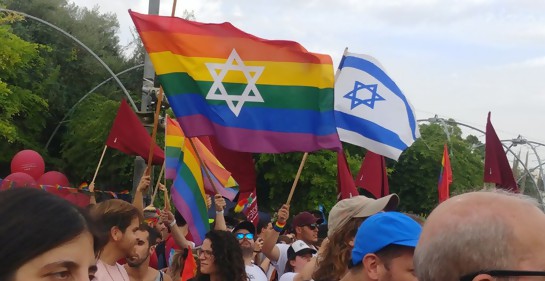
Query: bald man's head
x,y
477,231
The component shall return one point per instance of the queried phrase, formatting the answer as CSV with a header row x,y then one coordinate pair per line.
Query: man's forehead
x,y
243,231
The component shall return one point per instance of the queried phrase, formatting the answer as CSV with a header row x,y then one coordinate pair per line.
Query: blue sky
x,y
454,58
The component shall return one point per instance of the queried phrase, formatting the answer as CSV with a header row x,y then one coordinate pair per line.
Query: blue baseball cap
x,y
384,229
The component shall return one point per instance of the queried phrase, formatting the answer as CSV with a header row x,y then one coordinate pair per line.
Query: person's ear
x,y
292,262
351,242
371,265
298,230
483,277
116,234
152,249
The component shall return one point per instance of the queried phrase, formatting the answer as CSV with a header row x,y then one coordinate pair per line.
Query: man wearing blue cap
x,y
384,248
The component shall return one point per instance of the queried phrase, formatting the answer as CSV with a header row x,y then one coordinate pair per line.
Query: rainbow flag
x,y
219,176
187,191
254,95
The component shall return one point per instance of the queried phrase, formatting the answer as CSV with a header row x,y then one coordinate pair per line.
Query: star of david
x,y
355,101
250,93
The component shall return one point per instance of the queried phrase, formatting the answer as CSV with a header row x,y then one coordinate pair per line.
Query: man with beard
x,y
117,221
138,263
245,234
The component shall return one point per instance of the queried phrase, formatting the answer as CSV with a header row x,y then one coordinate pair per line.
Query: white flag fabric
x,y
370,109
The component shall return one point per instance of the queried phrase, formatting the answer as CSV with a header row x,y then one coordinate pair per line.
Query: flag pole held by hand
x,y
99,163
297,177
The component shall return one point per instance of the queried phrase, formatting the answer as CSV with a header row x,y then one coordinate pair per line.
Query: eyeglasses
x,y
312,226
248,236
503,273
207,253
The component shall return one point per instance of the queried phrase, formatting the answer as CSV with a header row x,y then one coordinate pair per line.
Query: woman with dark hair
x,y
220,258
44,237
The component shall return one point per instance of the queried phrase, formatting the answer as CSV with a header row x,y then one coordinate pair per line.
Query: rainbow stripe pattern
x,y
254,95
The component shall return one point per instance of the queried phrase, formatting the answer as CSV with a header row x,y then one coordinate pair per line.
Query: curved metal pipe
x,y
82,45
83,98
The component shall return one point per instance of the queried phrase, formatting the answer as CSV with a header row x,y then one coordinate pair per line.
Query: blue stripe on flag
x,y
270,119
372,130
375,71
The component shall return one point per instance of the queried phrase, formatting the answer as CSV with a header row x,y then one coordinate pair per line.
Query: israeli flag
x,y
370,109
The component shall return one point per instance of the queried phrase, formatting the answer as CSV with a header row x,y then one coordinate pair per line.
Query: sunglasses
x,y
312,226
248,236
503,273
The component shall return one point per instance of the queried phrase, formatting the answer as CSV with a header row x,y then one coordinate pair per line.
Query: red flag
x,y
190,266
445,178
129,136
346,187
496,166
373,176
250,211
242,168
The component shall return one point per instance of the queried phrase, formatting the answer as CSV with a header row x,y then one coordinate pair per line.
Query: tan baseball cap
x,y
358,207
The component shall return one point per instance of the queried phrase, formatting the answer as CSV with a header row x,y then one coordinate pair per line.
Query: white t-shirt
x,y
255,273
280,265
288,276
106,272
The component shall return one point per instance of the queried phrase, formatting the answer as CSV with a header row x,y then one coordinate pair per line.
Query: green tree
x,y
21,79
317,184
415,176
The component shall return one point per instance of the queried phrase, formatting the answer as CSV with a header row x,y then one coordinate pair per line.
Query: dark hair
x,y
34,222
153,234
113,212
262,223
390,252
180,220
227,257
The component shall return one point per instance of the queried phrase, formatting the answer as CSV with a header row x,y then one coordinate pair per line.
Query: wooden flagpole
x,y
297,177
157,185
99,163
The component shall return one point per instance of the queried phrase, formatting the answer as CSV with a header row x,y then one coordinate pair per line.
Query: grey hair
x,y
463,249
468,245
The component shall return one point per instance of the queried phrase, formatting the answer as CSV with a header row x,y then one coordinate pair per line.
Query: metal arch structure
x,y
82,45
83,98
514,142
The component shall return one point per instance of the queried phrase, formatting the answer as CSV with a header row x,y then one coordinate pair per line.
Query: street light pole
x,y
147,91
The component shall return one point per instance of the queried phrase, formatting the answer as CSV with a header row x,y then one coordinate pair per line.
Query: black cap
x,y
245,225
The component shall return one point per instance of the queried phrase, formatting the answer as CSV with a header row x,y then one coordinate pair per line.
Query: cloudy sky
x,y
454,58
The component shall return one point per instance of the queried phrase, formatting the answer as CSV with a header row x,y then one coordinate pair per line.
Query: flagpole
x,y
297,177
99,163
157,185
203,165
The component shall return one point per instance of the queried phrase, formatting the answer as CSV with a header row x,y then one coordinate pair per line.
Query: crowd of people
x,y
482,235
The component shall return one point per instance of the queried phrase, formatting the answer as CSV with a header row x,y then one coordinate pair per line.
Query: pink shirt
x,y
108,272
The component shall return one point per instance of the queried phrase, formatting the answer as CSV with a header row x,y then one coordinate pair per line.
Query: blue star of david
x,y
355,101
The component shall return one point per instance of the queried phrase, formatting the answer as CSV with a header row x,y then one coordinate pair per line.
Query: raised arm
x,y
220,204
143,185
176,231
92,198
269,241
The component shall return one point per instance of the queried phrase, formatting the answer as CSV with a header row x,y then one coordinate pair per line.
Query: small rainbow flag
x,y
254,95
220,177
187,191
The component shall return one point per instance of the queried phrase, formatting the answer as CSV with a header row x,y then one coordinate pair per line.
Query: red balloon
x,y
17,180
54,178
29,162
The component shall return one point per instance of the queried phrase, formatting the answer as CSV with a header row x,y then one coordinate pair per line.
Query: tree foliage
x,y
415,176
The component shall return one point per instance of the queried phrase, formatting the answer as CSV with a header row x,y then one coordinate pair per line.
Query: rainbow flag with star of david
x,y
254,95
